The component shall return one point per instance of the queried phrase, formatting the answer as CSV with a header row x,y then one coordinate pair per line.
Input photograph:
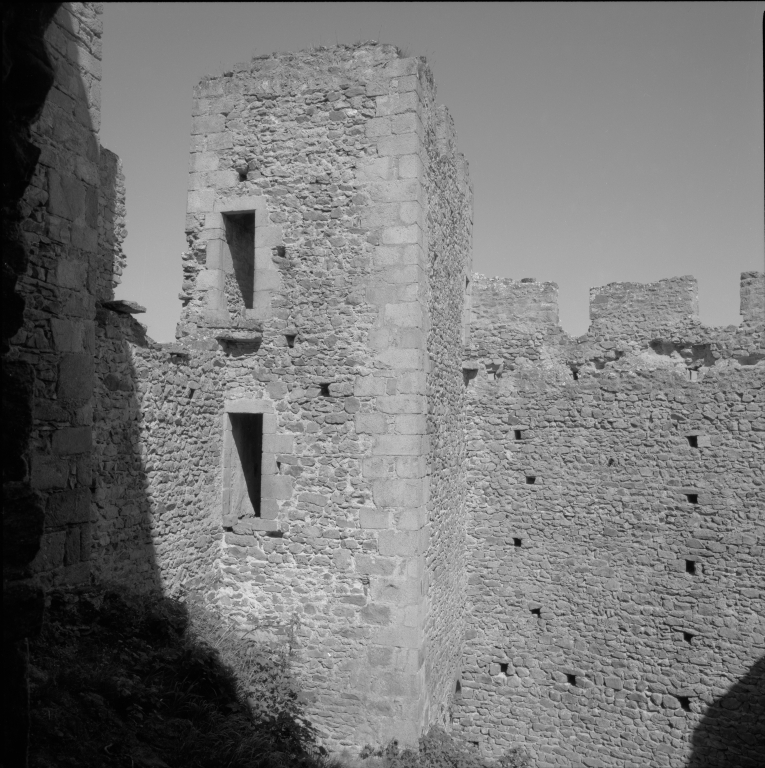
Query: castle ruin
x,y
459,514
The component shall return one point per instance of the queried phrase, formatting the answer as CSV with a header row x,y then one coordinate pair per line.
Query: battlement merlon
x,y
527,305
619,308
753,298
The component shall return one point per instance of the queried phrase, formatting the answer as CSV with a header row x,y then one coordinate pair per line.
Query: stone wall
x,y
321,456
615,492
328,211
61,227
449,227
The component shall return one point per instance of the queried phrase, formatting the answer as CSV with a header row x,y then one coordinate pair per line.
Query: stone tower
x,y
329,228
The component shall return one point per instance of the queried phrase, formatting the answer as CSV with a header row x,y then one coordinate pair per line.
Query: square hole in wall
x,y
690,567
518,434
688,637
693,498
517,542
571,679
536,612
531,479
291,343
503,668
685,702
324,390
693,441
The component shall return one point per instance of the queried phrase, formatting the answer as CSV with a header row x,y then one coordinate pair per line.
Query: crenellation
x,y
463,516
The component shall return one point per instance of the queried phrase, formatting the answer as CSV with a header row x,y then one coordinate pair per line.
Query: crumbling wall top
x,y
632,307
753,298
525,302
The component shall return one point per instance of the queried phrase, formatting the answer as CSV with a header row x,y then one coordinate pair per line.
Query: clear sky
x,y
606,142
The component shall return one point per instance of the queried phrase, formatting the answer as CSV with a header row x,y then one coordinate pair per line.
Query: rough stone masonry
x,y
456,513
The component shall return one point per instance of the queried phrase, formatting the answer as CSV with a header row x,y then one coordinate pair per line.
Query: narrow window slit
x,y
517,542
571,679
247,431
693,498
685,702
518,434
690,566
291,339
240,237
458,689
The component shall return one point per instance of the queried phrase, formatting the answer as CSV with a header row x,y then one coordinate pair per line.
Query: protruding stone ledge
x,y
124,307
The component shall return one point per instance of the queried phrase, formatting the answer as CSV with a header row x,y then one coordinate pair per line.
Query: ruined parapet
x,y
329,229
753,298
512,322
625,310
613,476
111,224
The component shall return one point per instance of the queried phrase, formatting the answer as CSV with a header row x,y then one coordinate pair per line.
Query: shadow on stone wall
x,y
732,733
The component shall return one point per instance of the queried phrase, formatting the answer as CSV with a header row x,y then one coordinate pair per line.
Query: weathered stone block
x,y
403,144
373,518
72,440
276,487
401,544
398,445
402,235
370,423
399,493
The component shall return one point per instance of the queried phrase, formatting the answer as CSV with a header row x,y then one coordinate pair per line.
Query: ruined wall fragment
x,y
615,489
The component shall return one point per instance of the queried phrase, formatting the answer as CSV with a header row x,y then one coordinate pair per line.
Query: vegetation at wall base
x,y
140,681
125,680
437,749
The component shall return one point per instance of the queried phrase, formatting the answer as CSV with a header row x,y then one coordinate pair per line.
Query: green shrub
x,y
437,749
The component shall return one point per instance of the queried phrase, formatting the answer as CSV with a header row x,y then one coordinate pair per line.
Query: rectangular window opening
x,y
291,339
240,236
693,498
518,434
571,679
503,668
458,689
247,431
685,702
531,479
517,542
324,390
693,441
690,567
537,612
